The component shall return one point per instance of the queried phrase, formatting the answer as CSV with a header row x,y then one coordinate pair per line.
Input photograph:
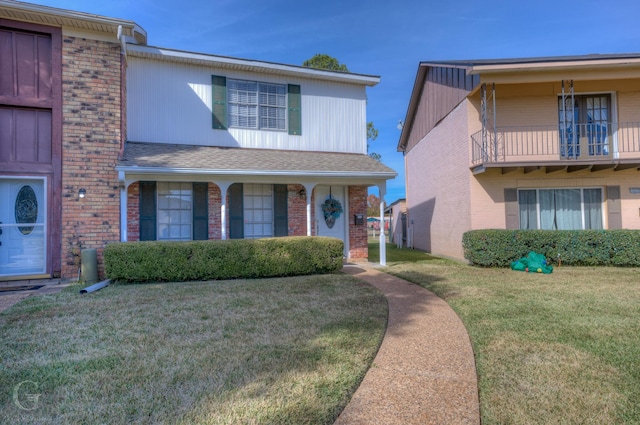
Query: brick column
x,y
91,115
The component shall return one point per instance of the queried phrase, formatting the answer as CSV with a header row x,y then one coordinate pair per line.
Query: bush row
x,y
215,259
498,248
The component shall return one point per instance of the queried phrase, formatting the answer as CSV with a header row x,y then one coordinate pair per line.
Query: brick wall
x,y
358,246
91,137
297,211
133,212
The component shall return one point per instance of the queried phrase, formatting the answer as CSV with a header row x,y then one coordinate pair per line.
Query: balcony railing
x,y
599,142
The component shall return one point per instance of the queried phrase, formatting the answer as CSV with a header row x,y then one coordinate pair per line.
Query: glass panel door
x,y
23,213
585,127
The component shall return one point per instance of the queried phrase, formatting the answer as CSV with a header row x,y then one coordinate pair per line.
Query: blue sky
x,y
380,37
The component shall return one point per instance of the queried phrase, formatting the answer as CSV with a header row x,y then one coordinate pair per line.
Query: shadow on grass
x,y
398,255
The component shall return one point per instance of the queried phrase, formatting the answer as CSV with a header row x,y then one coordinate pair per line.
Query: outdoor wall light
x,y
302,193
82,193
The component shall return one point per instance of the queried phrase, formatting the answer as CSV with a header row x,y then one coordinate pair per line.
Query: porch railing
x,y
535,144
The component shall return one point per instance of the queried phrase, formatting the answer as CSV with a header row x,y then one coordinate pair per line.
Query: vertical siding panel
x,y
6,64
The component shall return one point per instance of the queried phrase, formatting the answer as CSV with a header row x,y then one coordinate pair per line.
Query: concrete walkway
x,y
424,372
10,298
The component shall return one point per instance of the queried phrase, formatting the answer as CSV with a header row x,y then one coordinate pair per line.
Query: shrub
x,y
497,248
157,261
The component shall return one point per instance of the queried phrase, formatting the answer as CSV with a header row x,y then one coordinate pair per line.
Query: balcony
x,y
602,146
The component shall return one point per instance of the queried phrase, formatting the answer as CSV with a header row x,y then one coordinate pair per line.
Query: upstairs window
x,y
256,105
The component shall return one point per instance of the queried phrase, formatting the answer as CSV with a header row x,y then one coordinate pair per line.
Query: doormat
x,y
5,289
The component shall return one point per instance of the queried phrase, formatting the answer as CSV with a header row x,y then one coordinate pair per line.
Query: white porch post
x,y
383,244
308,188
123,206
123,213
224,186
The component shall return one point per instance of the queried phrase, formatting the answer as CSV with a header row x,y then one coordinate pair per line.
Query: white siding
x,y
171,103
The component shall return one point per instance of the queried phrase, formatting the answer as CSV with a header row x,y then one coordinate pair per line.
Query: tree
x,y
373,206
324,61
372,134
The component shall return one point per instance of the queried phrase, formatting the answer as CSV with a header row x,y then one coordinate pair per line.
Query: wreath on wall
x,y
331,208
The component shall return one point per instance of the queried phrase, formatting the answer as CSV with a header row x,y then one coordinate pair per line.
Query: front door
x,y
329,220
22,227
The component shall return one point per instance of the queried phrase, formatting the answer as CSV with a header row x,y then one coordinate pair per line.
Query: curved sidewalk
x,y
424,372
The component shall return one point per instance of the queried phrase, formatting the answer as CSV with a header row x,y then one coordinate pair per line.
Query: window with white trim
x,y
174,211
560,209
255,104
258,210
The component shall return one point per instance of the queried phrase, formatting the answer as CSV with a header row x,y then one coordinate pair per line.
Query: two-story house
x,y
104,138
534,143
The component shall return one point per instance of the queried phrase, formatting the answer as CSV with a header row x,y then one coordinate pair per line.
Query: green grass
x,y
562,348
290,350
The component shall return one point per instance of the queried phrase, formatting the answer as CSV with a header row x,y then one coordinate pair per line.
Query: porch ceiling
x,y
158,158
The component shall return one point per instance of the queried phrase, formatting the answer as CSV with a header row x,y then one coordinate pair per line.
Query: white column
x,y
123,212
383,244
308,189
224,186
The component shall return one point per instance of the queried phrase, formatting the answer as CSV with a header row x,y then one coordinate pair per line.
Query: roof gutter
x,y
218,172
172,55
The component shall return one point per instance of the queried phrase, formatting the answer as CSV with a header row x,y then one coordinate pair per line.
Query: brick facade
x,y
297,211
358,245
91,87
297,215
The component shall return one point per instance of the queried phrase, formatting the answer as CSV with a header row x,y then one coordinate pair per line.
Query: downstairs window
x,y
560,209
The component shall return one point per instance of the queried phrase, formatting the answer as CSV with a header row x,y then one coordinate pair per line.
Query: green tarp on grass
x,y
532,263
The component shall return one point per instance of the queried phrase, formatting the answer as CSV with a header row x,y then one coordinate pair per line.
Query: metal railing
x,y
592,141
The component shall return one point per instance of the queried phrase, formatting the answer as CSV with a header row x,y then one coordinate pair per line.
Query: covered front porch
x,y
180,192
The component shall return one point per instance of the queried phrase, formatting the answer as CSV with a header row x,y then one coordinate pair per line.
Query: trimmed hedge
x,y
498,248
162,261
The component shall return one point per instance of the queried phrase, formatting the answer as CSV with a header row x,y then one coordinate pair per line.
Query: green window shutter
x,y
219,100
236,208
200,211
280,210
613,207
511,209
147,211
295,111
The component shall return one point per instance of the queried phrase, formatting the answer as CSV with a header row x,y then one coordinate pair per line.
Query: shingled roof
x,y
220,160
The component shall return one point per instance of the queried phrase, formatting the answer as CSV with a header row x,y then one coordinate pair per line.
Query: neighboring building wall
x,y
438,186
358,244
91,142
397,212
487,200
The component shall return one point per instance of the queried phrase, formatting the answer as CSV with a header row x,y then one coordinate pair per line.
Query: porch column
x,y
308,188
223,208
123,213
383,243
124,186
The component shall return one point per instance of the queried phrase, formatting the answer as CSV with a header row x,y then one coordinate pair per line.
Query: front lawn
x,y
289,350
562,348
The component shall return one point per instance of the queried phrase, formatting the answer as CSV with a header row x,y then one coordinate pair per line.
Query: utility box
x,y
89,265
358,219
